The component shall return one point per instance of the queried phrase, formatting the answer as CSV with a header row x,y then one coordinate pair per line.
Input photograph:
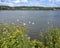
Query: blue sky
x,y
45,3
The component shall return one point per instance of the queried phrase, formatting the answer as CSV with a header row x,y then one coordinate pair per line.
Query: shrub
x,y
14,36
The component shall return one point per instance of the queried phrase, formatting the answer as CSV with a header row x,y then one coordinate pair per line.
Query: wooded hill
x,y
28,8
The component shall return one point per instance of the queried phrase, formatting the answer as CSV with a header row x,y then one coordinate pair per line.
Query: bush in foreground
x,y
14,36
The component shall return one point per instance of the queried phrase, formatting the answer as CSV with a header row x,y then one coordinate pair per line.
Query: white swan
x,y
29,22
33,23
24,23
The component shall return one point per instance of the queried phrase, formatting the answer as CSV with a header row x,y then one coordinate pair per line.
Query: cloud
x,y
30,2
19,1
12,2
57,0
54,1
35,4
16,1
6,3
23,0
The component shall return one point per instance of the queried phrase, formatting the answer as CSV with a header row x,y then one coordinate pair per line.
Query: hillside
x,y
28,8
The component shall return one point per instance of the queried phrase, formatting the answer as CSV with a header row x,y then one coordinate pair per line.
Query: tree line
x,y
28,8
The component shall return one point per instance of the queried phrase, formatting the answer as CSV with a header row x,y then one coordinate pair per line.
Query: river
x,y
36,21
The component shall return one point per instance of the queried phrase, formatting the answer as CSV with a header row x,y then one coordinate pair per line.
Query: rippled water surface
x,y
36,21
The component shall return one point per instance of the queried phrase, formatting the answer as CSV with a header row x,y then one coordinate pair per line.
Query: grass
x,y
14,36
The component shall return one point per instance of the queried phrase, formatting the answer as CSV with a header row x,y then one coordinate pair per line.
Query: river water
x,y
36,21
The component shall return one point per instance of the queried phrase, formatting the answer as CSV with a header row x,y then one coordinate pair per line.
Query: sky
x,y
44,3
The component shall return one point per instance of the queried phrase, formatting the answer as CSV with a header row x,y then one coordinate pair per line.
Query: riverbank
x,y
14,36
28,8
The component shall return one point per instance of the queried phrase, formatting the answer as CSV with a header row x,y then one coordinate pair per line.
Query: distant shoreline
x,y
28,8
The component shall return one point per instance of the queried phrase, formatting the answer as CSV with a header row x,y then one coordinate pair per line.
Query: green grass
x,y
14,36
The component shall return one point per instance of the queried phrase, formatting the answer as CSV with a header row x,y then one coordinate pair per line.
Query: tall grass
x,y
14,36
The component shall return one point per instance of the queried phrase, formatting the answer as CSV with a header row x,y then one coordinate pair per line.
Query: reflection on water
x,y
36,21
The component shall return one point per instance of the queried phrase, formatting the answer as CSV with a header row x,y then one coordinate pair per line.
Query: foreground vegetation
x,y
14,36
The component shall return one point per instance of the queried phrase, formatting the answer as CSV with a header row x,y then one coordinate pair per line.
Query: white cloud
x,y
51,5
16,1
35,4
27,3
54,0
57,0
19,1
6,3
23,0
13,2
